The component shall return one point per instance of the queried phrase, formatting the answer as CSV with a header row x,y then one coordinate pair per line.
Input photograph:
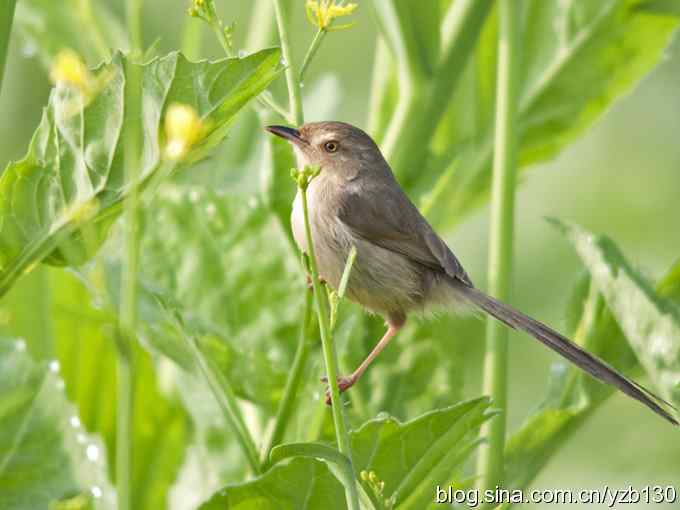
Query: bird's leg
x,y
394,324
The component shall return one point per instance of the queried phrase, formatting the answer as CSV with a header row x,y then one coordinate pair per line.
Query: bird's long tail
x,y
565,347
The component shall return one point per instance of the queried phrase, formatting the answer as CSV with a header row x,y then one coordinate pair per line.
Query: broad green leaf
x,y
573,396
412,457
45,456
60,200
300,483
580,57
343,465
650,323
88,27
84,329
230,269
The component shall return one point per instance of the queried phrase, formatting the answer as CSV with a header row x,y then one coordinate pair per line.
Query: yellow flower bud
x,y
69,68
183,128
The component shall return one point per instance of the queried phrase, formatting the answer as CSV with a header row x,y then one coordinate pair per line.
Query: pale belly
x,y
381,280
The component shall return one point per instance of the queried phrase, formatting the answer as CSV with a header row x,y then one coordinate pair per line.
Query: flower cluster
x,y
303,177
377,487
322,13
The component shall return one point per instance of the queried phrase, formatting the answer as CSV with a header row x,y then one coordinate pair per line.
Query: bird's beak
x,y
288,133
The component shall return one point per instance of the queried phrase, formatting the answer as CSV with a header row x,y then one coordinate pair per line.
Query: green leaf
x,y
44,455
580,57
412,457
300,483
60,200
650,323
230,270
84,329
659,7
316,451
573,396
48,27
669,287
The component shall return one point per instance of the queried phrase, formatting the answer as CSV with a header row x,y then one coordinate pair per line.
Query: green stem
x,y
261,26
311,52
92,22
290,392
224,394
294,92
128,305
490,462
329,354
6,19
406,141
134,24
192,38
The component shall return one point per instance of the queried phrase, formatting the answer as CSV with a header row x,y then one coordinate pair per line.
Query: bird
x,y
402,266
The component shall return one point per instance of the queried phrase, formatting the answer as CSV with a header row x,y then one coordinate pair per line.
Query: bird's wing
x,y
387,218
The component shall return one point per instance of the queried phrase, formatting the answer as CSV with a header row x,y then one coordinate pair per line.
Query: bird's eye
x,y
331,146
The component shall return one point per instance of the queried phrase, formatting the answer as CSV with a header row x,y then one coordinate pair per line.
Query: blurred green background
x,y
621,178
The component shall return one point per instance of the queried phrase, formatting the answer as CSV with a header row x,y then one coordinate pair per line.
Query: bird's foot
x,y
344,383
310,283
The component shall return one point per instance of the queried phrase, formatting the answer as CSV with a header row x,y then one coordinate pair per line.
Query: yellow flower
x,y
322,13
183,128
69,68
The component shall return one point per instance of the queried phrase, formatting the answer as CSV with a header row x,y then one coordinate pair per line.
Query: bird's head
x,y
340,149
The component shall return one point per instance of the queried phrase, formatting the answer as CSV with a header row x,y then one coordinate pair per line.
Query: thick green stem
x,y
330,356
6,18
290,392
192,38
128,304
406,141
490,465
311,52
294,91
134,23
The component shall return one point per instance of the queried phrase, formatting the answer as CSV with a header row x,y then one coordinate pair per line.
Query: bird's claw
x,y
344,383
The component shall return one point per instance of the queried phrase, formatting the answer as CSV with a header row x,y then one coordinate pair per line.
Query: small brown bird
x,y
402,265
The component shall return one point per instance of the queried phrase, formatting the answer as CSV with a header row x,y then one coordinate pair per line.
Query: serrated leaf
x,y
572,397
45,457
651,325
412,457
60,200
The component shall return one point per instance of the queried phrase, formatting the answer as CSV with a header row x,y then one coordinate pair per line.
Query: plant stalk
x,y
293,382
128,305
406,141
294,91
490,468
330,356
226,399
6,19
311,52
